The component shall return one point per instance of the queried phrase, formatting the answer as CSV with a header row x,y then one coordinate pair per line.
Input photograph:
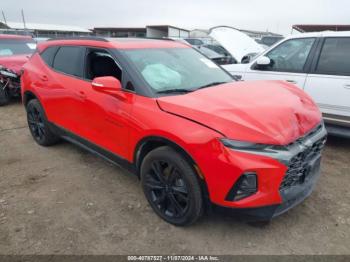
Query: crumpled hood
x,y
267,112
14,62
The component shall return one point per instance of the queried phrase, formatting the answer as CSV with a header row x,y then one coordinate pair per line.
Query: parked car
x,y
238,44
217,58
178,121
319,63
227,57
269,40
14,53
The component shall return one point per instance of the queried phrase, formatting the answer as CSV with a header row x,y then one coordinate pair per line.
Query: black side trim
x,y
93,148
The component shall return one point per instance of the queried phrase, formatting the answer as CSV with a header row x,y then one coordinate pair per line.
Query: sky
x,y
273,15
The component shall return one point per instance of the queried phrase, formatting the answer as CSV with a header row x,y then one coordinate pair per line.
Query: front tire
x,y
4,96
171,186
38,124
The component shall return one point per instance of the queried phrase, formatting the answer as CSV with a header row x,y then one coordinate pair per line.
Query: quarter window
x,y
69,60
49,54
335,57
291,55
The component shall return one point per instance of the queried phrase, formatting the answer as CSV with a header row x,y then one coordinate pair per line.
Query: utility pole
x,y
24,21
3,15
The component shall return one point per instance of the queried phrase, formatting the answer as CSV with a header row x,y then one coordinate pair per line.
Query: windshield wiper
x,y
211,84
171,91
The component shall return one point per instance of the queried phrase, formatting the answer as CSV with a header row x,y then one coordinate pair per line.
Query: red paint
x,y
14,62
263,112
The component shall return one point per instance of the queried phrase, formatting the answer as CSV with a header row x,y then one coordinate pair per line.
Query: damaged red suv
x,y
15,51
178,121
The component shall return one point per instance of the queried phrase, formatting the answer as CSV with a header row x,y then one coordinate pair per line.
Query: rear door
x,y
329,81
289,62
66,94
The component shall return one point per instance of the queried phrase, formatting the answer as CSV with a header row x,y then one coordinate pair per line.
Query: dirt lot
x,y
62,200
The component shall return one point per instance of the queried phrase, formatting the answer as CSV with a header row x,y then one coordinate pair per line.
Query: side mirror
x,y
106,84
263,61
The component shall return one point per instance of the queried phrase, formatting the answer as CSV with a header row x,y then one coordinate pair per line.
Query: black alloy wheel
x,y
171,187
38,125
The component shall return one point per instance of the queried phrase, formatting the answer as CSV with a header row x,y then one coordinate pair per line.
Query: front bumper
x,y
290,198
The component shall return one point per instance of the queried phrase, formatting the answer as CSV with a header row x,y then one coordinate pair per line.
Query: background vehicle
x,y
172,116
238,44
14,53
318,63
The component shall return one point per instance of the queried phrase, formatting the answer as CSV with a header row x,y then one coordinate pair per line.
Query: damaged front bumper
x,y
303,160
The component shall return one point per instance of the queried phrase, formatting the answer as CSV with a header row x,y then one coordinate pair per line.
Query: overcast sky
x,y
273,15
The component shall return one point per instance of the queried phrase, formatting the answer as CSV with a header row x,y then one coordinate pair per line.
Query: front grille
x,y
298,167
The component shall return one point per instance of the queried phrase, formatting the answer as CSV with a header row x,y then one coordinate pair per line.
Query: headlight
x,y
279,153
240,145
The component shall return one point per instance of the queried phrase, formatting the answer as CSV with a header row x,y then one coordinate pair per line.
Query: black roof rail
x,y
159,38
92,38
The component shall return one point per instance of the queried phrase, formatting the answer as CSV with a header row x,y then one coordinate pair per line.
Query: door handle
x,y
347,86
81,94
291,81
44,78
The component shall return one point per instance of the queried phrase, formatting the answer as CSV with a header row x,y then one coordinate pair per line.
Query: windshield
x,y
16,47
176,69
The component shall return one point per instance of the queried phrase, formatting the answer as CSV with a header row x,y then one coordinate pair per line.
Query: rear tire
x,y
171,186
38,124
4,96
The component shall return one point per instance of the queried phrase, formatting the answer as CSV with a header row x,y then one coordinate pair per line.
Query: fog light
x,y
245,186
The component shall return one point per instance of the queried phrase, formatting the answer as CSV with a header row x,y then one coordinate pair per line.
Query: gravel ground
x,y
63,200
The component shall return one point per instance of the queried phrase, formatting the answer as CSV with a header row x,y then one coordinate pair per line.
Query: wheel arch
x,y
147,144
27,96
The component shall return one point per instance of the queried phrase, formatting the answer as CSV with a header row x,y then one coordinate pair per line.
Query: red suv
x,y
15,51
178,121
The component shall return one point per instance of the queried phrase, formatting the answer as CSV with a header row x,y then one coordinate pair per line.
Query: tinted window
x,y
49,54
70,60
291,55
335,57
100,63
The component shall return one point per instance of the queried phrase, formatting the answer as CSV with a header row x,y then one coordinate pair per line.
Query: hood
x,y
14,62
235,42
267,112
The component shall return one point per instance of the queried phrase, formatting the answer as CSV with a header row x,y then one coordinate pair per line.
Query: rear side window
x,y
70,60
335,57
49,54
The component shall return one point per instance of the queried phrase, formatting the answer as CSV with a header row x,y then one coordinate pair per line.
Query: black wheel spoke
x,y
157,169
175,205
160,199
153,183
32,122
180,189
181,197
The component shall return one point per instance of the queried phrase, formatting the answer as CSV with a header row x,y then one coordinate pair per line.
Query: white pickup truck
x,y
319,63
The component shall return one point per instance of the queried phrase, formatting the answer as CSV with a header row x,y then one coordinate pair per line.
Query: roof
x,y
19,37
322,34
319,28
118,43
165,27
47,27
121,29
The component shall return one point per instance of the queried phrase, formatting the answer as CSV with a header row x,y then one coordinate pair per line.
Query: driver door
x,y
288,62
